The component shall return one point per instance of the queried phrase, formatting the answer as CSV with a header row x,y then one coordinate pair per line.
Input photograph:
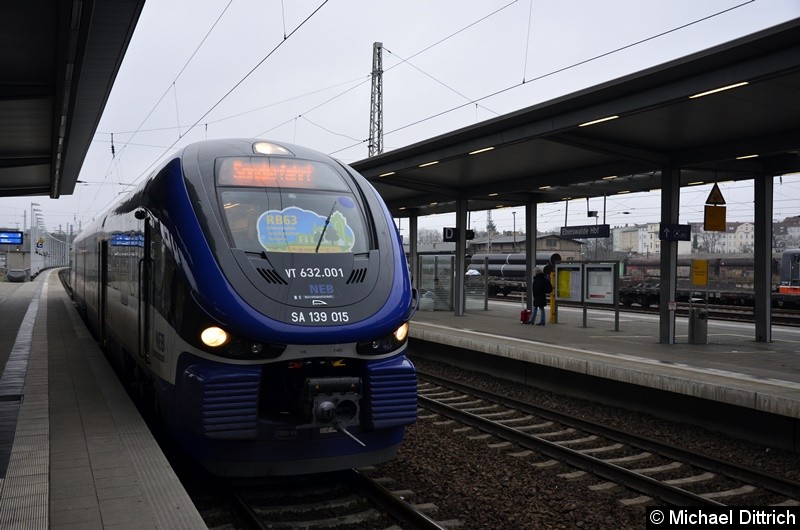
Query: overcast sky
x,y
299,71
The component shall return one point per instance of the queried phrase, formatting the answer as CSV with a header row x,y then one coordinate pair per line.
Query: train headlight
x,y
401,333
217,341
385,344
267,148
213,336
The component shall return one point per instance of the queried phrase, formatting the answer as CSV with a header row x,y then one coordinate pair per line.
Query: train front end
x,y
302,365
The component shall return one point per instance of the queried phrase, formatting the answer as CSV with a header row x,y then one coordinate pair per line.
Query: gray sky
x,y
447,63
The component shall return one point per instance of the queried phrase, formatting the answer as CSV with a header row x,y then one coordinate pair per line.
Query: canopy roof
x,y
58,61
549,151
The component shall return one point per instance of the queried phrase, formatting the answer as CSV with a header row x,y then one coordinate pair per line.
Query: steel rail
x,y
769,482
401,510
641,483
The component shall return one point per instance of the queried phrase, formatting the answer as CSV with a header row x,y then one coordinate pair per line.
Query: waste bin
x,y
698,325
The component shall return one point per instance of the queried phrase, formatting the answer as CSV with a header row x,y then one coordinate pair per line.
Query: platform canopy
x,y
700,114
58,61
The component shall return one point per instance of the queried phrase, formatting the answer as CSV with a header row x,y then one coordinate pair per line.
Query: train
x,y
255,295
730,277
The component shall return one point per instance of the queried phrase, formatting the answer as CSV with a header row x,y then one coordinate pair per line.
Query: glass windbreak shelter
x,y
436,287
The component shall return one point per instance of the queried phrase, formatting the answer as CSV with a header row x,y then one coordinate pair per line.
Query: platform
x,y
731,368
74,451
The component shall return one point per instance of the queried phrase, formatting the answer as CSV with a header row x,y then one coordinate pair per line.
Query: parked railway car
x,y
730,268
790,272
257,294
730,278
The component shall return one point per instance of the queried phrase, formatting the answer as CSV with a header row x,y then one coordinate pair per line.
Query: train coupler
x,y
332,402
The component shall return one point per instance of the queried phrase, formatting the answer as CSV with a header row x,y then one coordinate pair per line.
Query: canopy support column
x,y
762,268
670,203
530,248
461,261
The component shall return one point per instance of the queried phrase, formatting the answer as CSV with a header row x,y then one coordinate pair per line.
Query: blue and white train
x,y
257,295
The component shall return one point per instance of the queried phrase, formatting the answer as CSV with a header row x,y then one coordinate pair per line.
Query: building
x,y
569,249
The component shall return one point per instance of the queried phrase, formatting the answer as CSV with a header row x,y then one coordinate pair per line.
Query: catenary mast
x,y
376,102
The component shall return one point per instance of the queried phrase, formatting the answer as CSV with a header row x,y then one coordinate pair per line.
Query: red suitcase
x,y
525,316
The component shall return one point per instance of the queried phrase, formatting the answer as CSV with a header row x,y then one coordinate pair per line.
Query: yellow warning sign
x,y
714,219
715,197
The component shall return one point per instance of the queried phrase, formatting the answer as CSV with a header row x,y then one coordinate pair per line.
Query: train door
x,y
145,295
102,305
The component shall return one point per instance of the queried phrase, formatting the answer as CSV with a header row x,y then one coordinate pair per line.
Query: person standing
x,y
541,288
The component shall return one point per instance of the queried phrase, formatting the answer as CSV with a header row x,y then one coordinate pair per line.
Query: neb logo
x,y
320,288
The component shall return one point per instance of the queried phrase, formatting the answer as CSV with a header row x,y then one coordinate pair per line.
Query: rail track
x,y
658,472
348,499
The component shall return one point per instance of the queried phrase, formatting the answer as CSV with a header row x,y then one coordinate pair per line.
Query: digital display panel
x,y
127,240
278,173
10,238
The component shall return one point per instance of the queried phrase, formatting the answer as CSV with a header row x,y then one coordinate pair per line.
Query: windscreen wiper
x,y
327,220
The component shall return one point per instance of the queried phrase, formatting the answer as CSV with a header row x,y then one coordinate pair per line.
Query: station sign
x,y
672,232
586,231
13,237
450,234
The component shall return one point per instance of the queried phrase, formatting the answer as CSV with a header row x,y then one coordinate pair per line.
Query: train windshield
x,y
289,205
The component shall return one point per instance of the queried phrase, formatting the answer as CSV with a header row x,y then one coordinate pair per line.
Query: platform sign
x,y
600,283
450,234
699,273
714,219
673,232
569,282
586,231
10,237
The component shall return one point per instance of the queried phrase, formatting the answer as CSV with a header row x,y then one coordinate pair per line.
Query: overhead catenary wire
x,y
527,42
163,95
474,101
548,74
362,80
229,92
409,63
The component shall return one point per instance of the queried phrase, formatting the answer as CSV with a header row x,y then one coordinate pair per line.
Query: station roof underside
x,y
543,153
58,61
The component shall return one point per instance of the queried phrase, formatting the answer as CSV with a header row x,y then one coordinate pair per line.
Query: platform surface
x,y
74,451
731,368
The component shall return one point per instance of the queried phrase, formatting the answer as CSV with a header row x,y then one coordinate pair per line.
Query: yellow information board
x,y
699,273
714,219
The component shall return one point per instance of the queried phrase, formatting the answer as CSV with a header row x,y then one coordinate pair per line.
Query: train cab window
x,y
289,205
